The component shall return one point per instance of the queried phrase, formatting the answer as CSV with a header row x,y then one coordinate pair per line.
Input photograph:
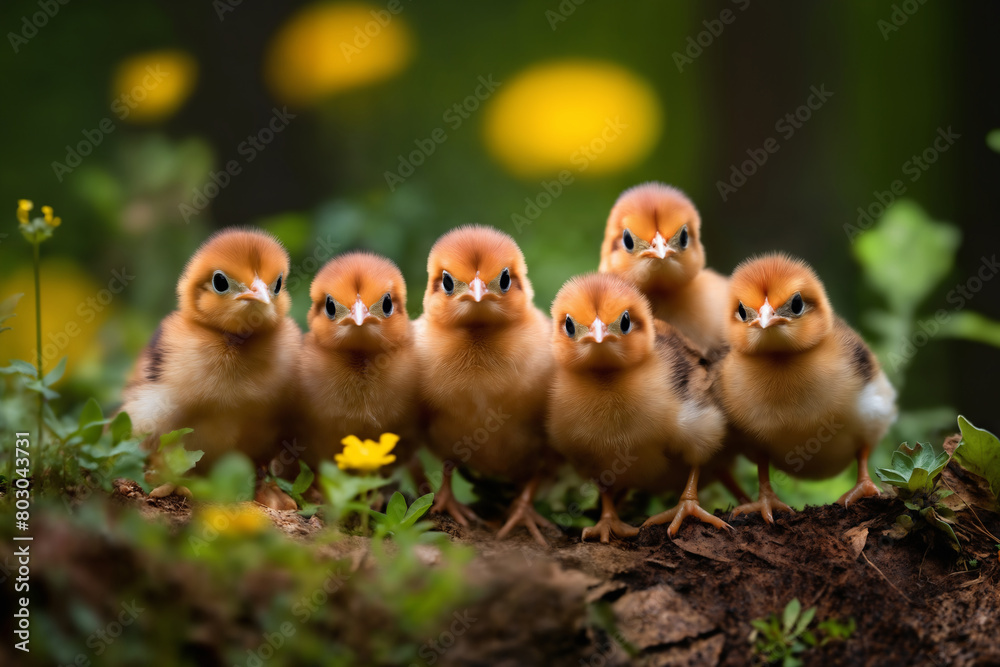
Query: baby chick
x,y
653,238
358,367
629,405
225,361
799,386
486,368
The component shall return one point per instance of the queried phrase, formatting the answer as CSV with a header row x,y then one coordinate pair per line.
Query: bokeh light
x,y
73,309
327,48
590,116
150,87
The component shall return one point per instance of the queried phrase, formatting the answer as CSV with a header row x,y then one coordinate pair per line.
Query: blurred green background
x,y
345,92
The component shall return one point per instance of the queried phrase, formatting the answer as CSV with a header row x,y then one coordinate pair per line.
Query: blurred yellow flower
x,y
325,48
589,116
242,519
149,87
24,206
367,456
49,220
74,308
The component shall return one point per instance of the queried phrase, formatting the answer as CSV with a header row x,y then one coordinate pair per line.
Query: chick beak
x,y
359,312
766,315
598,330
660,248
258,292
478,288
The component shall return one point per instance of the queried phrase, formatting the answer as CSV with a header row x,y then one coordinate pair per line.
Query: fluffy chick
x,y
796,375
653,238
487,365
630,405
225,361
358,368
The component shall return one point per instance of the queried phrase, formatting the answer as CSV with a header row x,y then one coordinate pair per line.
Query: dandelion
x,y
366,456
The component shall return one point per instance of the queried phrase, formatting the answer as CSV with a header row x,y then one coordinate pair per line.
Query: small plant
x,y
979,453
914,473
784,640
399,517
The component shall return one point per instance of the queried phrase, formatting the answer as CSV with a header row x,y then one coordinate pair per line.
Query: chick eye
x,y
447,282
331,307
625,324
219,282
628,241
505,281
387,305
684,237
570,327
797,304
742,312
277,285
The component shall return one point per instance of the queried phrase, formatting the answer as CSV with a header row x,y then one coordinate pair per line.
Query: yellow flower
x,y
367,456
240,520
150,87
593,117
23,206
49,220
327,48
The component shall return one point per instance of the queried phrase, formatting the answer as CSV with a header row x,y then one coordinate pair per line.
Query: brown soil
x,y
683,601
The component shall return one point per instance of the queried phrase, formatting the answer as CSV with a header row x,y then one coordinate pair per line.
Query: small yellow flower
x,y
23,206
367,456
49,220
240,520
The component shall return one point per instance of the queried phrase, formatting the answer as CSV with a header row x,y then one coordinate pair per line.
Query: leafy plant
x,y
979,453
297,489
346,493
784,640
399,517
914,473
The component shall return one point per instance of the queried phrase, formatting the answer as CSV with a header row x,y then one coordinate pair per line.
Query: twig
x,y
982,528
882,574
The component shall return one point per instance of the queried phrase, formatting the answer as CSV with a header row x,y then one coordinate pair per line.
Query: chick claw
x,y
684,509
445,502
863,489
164,490
766,504
607,527
525,514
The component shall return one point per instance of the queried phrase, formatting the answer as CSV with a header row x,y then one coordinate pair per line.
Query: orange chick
x,y
225,361
487,363
799,386
653,239
630,405
358,369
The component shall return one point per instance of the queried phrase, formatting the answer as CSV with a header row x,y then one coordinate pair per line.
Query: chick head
x,y
778,305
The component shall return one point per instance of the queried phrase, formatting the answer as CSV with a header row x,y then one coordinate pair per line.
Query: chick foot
x,y
687,506
865,488
164,490
767,500
684,509
610,524
271,496
523,513
445,502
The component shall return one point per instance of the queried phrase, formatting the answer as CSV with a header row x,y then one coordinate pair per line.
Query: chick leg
x,y
767,500
523,512
725,476
445,501
865,486
687,506
609,524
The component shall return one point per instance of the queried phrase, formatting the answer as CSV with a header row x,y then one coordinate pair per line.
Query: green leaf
x,y
792,610
22,367
417,510
55,374
121,427
979,453
396,509
972,326
168,439
906,254
993,140
40,388
176,459
232,479
914,468
91,421
804,620
8,305
304,479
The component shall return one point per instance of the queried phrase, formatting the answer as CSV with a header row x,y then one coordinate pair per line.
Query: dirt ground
x,y
689,600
